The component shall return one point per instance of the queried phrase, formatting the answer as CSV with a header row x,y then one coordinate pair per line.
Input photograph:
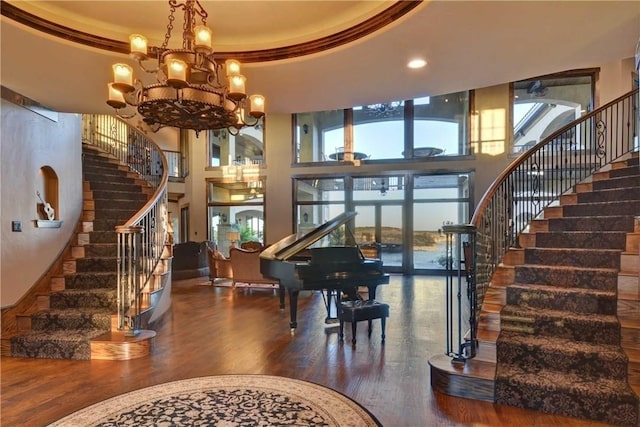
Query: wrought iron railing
x,y
175,164
142,239
536,180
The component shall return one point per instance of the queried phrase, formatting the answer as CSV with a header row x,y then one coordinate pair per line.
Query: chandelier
x,y
190,91
386,109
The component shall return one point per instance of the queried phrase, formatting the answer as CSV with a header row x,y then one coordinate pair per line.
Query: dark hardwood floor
x,y
217,330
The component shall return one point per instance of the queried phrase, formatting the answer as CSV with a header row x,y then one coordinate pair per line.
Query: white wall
x,y
29,141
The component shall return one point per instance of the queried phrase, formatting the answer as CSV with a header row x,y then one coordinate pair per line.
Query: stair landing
x,y
117,345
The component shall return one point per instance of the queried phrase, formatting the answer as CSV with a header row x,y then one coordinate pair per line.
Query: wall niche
x,y
47,199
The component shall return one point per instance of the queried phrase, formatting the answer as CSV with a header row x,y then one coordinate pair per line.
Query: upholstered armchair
x,y
252,246
219,266
246,267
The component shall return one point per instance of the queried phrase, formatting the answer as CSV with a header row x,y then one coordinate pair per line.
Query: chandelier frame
x,y
189,92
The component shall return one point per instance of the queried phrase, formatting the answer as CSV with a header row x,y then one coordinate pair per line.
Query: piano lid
x,y
296,243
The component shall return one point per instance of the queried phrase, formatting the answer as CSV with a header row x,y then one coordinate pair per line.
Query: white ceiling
x,y
468,44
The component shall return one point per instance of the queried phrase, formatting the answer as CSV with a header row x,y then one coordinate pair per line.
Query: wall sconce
x,y
305,217
305,128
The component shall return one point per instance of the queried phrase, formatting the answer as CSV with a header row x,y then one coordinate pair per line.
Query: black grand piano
x,y
305,262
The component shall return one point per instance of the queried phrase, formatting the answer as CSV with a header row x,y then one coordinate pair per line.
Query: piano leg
x,y
293,308
281,296
372,291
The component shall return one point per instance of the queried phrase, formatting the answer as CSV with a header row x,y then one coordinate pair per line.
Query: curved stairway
x,y
559,329
76,319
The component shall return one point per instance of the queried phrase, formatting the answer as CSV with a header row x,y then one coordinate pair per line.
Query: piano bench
x,y
355,311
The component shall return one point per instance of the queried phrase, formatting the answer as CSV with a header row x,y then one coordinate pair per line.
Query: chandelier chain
x,y
203,13
192,90
171,18
188,24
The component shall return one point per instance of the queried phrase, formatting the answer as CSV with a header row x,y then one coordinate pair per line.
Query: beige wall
x,y
615,80
29,141
196,198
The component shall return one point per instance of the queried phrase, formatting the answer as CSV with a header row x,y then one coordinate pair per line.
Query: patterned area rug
x,y
226,401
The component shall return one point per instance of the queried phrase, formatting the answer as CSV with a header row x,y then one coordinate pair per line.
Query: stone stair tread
x,y
563,290
570,382
590,223
85,291
116,200
99,257
567,346
93,273
568,267
70,312
524,312
583,250
582,231
68,335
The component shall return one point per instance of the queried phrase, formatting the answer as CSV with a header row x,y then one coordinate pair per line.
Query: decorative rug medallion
x,y
226,401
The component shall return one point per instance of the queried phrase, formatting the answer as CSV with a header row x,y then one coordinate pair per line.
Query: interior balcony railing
x,y
176,165
142,239
532,182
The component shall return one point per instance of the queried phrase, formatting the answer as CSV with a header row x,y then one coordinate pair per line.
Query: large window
x,y
543,105
372,132
399,215
441,125
378,131
318,135
246,147
438,200
317,201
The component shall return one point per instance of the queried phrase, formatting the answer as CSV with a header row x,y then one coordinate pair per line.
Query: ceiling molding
x,y
397,10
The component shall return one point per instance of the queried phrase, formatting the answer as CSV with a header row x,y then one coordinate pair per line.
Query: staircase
x,y
569,340
559,327
81,306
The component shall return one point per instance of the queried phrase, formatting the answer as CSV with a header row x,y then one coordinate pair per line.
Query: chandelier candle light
x,y
190,92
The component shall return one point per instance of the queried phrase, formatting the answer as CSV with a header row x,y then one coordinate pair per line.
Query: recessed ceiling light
x,y
416,63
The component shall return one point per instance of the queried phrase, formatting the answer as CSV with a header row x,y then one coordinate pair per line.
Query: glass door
x,y
379,231
438,200
379,227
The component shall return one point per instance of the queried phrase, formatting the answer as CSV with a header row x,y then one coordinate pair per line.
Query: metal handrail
x,y
141,240
537,179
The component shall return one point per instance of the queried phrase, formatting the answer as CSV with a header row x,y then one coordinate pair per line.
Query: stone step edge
x,y
554,289
538,312
561,382
571,345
